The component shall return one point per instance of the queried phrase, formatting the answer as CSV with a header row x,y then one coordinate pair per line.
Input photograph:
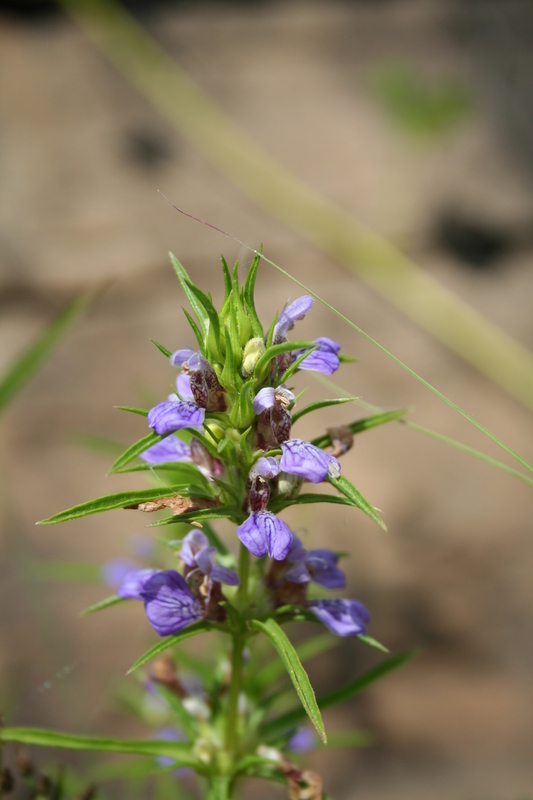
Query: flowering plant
x,y
222,447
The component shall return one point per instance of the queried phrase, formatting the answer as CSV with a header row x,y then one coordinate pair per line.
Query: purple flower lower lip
x,y
173,415
264,533
309,462
179,358
169,603
324,359
170,449
342,617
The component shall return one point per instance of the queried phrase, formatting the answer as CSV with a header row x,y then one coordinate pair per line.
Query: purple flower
x,y
264,468
170,735
309,462
303,741
169,603
114,572
264,533
319,566
291,314
274,418
180,357
342,617
133,582
197,555
173,415
323,359
170,449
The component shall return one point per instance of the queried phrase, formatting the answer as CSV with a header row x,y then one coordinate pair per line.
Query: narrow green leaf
x,y
218,512
276,727
106,603
277,350
210,310
186,285
135,450
162,348
196,330
227,278
320,404
249,291
99,444
27,364
297,673
143,412
364,424
347,488
180,751
307,650
170,641
278,504
112,501
295,366
184,472
373,643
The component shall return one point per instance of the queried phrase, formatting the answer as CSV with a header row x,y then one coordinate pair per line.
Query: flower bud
x,y
253,351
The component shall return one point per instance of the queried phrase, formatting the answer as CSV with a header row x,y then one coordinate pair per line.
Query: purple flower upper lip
x,y
291,314
170,449
173,415
309,462
197,555
323,359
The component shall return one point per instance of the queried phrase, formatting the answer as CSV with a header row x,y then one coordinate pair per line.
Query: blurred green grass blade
x,y
99,444
180,751
143,412
170,641
297,673
26,365
111,501
278,726
75,571
371,642
223,143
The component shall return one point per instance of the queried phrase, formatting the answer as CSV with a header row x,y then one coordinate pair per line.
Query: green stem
x,y
239,639
219,788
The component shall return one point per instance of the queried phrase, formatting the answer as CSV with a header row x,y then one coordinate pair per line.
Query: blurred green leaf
x,y
276,727
179,751
417,105
26,365
99,444
364,424
170,641
75,571
307,650
141,411
369,640
186,285
107,602
297,673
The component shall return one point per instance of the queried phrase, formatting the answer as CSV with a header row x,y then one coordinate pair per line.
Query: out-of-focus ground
x,y
81,158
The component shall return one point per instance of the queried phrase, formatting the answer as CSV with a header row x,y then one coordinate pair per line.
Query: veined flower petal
x,y
309,462
169,603
133,583
323,359
264,533
291,314
170,449
173,415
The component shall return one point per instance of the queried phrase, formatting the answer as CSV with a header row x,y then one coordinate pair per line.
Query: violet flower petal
x,y
265,468
291,314
205,559
115,571
169,603
183,387
224,575
133,583
191,546
309,462
264,533
264,400
179,358
303,741
324,359
172,415
342,617
322,565
170,449
298,573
